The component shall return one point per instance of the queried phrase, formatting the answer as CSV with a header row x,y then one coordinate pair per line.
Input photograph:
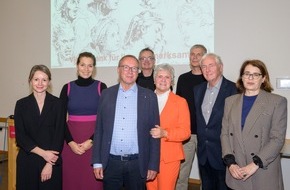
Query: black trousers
x,y
119,174
212,179
28,171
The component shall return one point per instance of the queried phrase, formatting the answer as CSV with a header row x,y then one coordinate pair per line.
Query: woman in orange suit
x,y
173,130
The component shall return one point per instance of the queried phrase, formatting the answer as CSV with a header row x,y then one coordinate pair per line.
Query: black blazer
x,y
45,130
208,135
147,118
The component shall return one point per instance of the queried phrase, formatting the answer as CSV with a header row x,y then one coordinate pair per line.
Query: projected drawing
x,y
98,10
195,22
150,4
105,38
71,19
102,8
69,10
63,39
112,28
145,30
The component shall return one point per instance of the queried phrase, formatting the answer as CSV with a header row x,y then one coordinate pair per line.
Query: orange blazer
x,y
175,119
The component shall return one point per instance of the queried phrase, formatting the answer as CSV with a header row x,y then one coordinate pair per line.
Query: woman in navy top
x,y
253,131
81,99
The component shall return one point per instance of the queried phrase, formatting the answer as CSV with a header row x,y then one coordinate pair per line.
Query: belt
x,y
126,157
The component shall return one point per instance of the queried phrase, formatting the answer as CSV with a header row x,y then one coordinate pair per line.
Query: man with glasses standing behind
x,y
147,64
124,152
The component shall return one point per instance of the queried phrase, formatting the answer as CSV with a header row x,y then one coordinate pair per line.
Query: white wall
x,y
243,29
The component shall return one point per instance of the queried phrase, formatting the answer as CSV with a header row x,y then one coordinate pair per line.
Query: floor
x,y
4,177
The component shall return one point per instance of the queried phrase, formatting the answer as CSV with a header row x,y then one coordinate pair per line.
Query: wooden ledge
x,y
3,120
194,181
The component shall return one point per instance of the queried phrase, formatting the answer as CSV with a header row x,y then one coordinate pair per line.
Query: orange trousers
x,y
166,178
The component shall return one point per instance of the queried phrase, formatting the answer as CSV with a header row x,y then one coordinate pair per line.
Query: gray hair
x,y
199,46
217,58
165,67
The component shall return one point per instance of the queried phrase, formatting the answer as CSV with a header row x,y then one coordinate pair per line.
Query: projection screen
x,y
112,28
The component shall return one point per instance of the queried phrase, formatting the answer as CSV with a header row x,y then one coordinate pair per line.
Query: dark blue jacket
x,y
208,135
147,118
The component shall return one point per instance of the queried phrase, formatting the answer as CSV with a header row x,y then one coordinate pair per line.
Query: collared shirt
x,y
124,139
209,99
162,99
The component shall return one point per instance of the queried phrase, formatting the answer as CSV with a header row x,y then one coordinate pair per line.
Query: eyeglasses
x,y
253,76
146,58
127,68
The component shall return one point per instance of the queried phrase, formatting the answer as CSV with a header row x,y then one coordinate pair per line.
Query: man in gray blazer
x,y
124,153
209,99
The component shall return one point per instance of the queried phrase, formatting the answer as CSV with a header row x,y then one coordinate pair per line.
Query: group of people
x,y
138,134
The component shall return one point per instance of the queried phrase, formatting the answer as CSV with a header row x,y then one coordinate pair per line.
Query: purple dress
x,y
82,110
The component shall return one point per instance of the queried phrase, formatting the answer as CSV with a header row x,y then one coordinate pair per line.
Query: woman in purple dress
x,y
81,99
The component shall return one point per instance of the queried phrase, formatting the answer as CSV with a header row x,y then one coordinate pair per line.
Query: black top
x,y
63,95
146,82
185,85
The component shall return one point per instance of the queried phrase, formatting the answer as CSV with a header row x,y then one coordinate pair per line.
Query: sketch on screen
x,y
196,23
103,8
145,30
105,38
63,40
150,4
112,28
99,10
